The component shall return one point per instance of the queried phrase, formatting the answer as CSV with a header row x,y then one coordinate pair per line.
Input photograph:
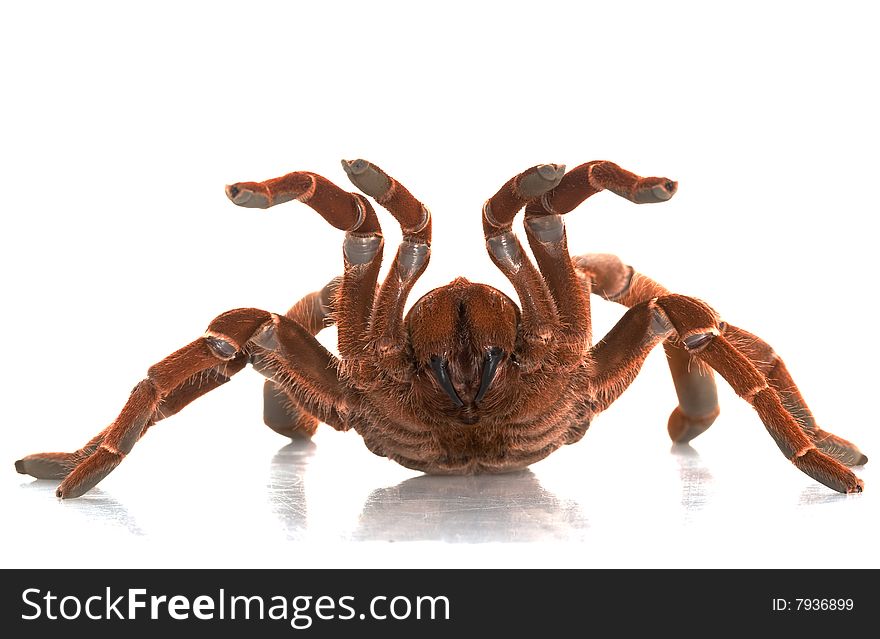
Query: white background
x,y
121,125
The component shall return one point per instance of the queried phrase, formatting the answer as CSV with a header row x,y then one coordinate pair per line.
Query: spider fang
x,y
493,358
439,366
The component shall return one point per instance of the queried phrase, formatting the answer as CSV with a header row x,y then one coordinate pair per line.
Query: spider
x,y
467,381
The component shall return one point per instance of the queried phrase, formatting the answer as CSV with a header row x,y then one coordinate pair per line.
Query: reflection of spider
x,y
467,382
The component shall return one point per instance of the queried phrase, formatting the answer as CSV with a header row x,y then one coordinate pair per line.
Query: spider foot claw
x,y
81,481
544,177
246,195
828,471
368,177
654,190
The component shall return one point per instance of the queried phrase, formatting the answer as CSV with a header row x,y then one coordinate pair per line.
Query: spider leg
x,y
547,238
590,178
387,333
281,412
771,365
540,322
281,349
361,249
547,195
618,358
365,323
59,465
606,276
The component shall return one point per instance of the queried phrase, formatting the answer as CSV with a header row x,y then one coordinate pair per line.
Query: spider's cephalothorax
x,y
468,381
468,406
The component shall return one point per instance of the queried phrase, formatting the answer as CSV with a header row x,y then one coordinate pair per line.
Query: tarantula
x,y
467,381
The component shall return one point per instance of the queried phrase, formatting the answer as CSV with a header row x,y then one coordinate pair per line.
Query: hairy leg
x,y
771,365
59,465
273,343
361,249
281,412
541,326
366,324
697,327
606,276
387,334
545,229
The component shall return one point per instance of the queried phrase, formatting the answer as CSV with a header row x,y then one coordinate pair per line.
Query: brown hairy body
x,y
468,381
522,418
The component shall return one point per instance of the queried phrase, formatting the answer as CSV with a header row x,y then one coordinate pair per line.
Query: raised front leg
x,y
362,247
540,323
281,348
366,324
545,229
387,335
590,178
